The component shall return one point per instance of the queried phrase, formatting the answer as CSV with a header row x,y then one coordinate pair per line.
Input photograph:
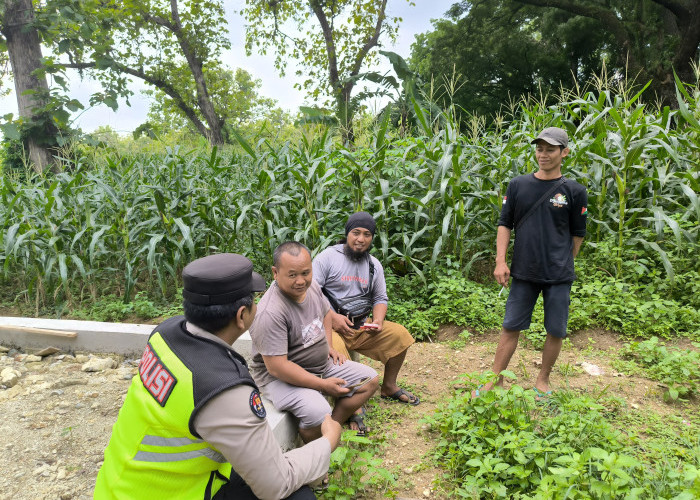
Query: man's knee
x,y
395,328
507,332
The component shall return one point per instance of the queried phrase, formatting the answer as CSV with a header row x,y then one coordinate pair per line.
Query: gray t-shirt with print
x,y
344,277
283,326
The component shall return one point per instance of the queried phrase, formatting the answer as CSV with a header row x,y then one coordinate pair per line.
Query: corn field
x,y
129,223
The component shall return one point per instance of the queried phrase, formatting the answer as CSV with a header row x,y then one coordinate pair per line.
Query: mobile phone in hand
x,y
369,326
358,384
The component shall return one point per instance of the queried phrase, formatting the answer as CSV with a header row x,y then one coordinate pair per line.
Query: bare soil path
x,y
57,418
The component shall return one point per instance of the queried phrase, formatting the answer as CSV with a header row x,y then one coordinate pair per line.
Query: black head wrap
x,y
360,219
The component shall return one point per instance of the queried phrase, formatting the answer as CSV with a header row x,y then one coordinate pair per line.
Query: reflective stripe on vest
x,y
152,456
166,441
174,455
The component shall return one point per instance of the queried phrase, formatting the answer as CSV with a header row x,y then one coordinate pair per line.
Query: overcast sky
x,y
416,19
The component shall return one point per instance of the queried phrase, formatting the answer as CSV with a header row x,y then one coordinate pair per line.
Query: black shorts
x,y
521,302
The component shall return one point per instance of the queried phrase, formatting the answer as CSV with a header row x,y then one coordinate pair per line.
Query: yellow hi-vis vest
x,y
154,451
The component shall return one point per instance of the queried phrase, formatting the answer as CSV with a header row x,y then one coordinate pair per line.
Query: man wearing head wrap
x,y
348,271
193,423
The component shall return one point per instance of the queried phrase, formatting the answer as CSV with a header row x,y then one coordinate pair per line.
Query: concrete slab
x,y
128,339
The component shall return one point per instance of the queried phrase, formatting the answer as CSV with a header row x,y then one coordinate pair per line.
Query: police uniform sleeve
x,y
229,423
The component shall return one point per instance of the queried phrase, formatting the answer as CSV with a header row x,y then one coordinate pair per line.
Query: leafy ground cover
x,y
610,436
57,421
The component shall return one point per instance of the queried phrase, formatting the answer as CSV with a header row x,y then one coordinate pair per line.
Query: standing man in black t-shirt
x,y
548,213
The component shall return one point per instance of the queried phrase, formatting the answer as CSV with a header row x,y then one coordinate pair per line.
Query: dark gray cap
x,y
553,135
220,279
360,219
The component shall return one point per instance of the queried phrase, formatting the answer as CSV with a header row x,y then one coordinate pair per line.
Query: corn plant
x,y
120,224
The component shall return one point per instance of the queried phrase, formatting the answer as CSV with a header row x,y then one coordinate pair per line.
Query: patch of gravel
x,y
57,416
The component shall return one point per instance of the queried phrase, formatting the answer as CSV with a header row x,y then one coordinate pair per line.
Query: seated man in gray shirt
x,y
293,362
193,424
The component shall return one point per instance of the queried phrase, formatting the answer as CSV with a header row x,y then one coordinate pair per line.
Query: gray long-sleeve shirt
x,y
344,277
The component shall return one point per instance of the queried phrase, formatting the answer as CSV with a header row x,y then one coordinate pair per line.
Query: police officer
x,y
193,424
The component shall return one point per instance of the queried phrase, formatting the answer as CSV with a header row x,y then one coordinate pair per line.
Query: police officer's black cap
x,y
220,279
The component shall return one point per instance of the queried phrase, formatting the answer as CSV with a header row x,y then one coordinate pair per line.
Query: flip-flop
x,y
540,395
359,420
412,400
476,393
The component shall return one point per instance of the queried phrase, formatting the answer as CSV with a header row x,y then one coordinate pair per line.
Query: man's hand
x,y
502,273
374,329
335,387
342,324
338,358
331,430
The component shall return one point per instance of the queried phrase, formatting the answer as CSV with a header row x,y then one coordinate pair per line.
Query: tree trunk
x,y
196,64
24,51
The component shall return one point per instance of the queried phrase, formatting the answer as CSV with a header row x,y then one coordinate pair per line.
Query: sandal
x,y
359,420
412,400
541,396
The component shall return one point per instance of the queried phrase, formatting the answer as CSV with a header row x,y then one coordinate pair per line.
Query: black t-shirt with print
x,y
542,252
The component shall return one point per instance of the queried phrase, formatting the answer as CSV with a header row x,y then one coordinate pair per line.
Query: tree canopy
x,y
506,48
171,45
331,41
235,97
503,50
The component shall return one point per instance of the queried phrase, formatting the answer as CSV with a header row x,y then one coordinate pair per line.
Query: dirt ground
x,y
57,418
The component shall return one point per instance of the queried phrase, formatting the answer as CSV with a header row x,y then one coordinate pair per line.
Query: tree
x,y
502,50
653,37
21,40
336,40
153,40
167,45
235,99
649,38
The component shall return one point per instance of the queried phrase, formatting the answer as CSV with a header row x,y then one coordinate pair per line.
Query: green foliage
x,y
504,51
235,97
355,469
171,46
504,443
13,156
677,369
336,41
113,309
447,298
632,307
129,222
507,49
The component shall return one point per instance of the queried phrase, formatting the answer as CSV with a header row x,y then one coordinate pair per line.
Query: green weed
x,y
355,469
504,443
677,369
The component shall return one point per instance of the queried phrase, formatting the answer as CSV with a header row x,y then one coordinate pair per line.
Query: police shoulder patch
x,y
256,404
155,376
